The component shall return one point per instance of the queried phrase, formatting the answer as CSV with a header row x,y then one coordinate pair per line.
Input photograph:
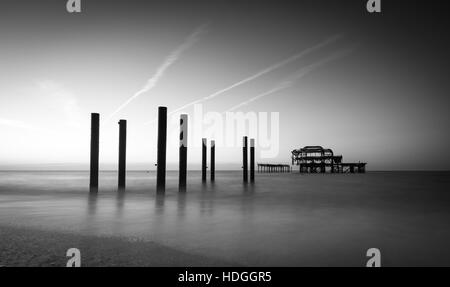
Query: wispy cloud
x,y
63,100
297,76
169,61
259,74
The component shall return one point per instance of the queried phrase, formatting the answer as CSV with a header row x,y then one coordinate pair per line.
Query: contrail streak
x,y
169,61
259,74
297,76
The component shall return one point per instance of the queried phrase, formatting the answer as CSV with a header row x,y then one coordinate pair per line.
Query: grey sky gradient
x,y
385,103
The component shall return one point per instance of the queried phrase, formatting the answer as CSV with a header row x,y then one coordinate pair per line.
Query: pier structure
x,y
316,159
273,168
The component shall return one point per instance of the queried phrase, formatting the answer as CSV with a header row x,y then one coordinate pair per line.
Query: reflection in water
x,y
285,219
206,199
120,200
92,203
90,224
249,188
160,198
181,205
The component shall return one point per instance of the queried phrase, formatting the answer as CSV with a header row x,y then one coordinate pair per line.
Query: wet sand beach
x,y
28,247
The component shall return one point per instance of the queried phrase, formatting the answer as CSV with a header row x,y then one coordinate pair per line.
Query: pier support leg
x,y
122,152
213,160
183,152
95,139
245,159
252,160
162,145
204,160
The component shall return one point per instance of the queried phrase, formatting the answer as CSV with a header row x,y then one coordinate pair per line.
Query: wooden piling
x,y
204,160
122,152
183,152
213,160
162,145
95,142
252,160
245,159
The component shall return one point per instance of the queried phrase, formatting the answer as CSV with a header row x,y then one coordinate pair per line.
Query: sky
x,y
373,87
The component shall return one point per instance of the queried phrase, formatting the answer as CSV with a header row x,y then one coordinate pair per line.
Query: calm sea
x,y
283,219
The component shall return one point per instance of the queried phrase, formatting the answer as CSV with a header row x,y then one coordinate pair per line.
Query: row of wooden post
x,y
161,153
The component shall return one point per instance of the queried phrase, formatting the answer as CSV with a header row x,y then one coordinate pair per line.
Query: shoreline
x,y
29,247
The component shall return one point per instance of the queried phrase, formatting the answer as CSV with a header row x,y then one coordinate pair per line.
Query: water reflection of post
x,y
206,199
120,201
159,203
92,204
181,205
91,211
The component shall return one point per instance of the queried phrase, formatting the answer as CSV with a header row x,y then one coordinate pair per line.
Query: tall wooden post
x,y
252,160
183,152
204,160
122,152
162,144
213,160
95,140
245,159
